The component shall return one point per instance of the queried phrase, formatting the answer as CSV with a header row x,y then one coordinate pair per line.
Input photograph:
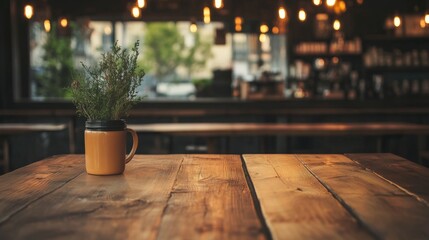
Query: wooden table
x,y
357,196
211,130
8,129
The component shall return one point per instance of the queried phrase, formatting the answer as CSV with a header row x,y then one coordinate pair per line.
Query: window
x,y
178,62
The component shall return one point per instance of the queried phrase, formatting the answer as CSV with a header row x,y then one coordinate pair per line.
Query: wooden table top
x,y
14,128
358,196
221,129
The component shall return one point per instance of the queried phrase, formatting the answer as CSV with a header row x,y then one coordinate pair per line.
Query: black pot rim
x,y
105,125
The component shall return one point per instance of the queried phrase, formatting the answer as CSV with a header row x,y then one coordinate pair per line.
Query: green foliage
x,y
196,57
57,66
108,90
163,45
202,83
165,50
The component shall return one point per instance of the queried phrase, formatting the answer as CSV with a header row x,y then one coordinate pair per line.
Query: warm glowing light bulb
x,y
47,25
264,28
193,27
282,13
64,22
342,6
238,20
206,14
141,3
302,15
337,25
28,11
317,2
422,23
330,3
218,3
262,37
360,2
397,21
275,30
135,11
427,18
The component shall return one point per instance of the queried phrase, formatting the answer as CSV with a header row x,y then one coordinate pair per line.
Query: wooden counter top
x,y
360,196
287,129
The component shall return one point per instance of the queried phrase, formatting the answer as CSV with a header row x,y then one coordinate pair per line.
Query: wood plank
x,y
211,200
389,211
289,129
408,175
295,205
21,187
14,128
128,206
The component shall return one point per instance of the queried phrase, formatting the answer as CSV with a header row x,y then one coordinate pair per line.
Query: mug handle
x,y
135,144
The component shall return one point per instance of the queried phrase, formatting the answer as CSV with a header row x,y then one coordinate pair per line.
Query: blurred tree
x,y
57,66
163,45
165,50
195,57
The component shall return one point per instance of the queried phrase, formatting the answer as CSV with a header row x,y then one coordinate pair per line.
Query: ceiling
x,y
175,10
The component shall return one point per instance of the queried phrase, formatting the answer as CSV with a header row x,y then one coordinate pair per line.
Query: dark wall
x,y
5,55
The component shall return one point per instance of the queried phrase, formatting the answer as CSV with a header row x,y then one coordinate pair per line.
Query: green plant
x,y
202,83
57,66
108,90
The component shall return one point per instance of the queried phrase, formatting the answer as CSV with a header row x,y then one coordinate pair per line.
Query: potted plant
x,y
104,94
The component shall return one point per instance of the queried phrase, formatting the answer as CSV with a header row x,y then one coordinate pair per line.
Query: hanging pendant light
x,y
331,3
282,13
238,24
135,12
47,25
28,11
64,22
302,15
141,3
218,4
275,30
206,15
264,28
397,21
336,25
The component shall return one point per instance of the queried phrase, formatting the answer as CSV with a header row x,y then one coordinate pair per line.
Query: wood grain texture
x,y
128,206
289,129
158,197
15,128
211,200
26,185
387,210
402,172
295,205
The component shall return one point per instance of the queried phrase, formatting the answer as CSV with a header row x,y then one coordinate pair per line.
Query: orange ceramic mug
x,y
105,147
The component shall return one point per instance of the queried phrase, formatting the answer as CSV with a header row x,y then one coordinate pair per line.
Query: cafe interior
x,y
224,77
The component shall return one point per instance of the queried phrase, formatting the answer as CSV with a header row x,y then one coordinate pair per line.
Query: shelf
x,y
321,55
397,69
384,39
